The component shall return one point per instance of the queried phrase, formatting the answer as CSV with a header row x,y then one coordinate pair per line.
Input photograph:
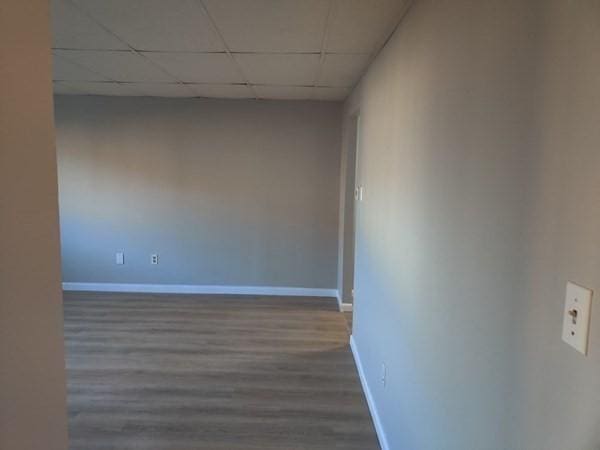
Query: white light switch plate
x,y
576,320
120,258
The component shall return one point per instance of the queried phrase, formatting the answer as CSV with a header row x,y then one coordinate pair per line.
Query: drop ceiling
x,y
265,49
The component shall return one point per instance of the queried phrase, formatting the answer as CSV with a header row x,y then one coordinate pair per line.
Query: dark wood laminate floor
x,y
348,316
168,372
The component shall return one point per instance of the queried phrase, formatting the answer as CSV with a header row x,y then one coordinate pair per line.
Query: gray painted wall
x,y
227,192
557,400
33,412
479,156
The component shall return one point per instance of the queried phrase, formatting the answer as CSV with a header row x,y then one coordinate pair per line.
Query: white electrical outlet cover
x,y
576,317
120,258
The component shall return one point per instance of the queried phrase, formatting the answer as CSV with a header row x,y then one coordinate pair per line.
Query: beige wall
x,y
32,375
479,156
227,192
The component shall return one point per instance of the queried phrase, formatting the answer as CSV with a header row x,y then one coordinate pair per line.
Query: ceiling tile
x,y
223,90
198,67
282,69
360,26
65,70
118,66
270,25
342,70
163,89
329,93
284,92
174,25
73,29
97,88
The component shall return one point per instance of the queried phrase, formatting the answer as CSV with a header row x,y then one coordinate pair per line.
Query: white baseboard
x,y
344,307
370,400
199,289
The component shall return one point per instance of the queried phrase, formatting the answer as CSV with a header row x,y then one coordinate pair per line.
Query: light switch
x,y
358,193
120,258
576,320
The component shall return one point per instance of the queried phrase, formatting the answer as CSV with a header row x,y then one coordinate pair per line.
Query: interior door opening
x,y
352,197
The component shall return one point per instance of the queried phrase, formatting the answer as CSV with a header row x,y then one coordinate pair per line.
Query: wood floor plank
x,y
169,372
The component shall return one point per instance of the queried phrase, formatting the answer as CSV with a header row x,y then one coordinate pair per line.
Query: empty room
x,y
299,225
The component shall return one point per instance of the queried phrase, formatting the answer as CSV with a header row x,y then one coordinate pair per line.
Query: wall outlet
x,y
120,258
383,378
154,259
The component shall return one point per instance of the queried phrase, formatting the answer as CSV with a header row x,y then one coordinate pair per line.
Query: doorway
x,y
352,195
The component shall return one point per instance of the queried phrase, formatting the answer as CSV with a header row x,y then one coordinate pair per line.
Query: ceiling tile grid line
x,y
131,49
72,29
266,92
58,66
227,49
279,69
271,71
189,52
328,19
330,15
180,52
270,25
98,88
208,67
302,48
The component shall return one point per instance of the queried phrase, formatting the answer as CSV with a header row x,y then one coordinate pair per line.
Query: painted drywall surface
x,y
445,140
226,192
558,390
479,156
32,366
445,112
